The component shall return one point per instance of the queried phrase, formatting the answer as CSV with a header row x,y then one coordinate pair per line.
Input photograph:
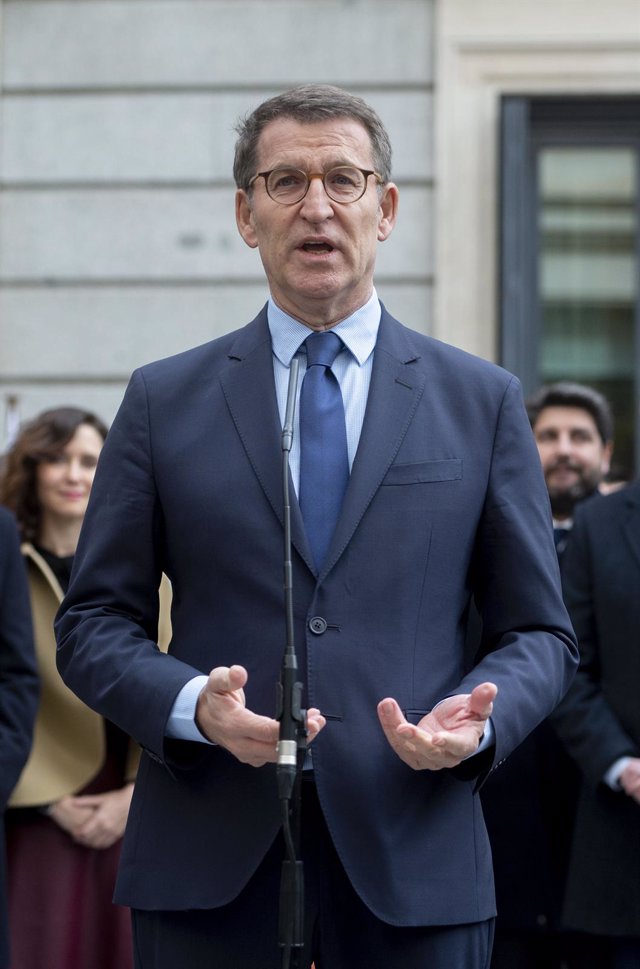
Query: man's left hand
x,y
446,736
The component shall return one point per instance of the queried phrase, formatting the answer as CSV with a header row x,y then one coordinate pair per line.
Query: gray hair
x,y
307,104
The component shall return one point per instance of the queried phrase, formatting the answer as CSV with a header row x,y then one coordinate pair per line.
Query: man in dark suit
x,y
573,427
436,495
529,805
599,721
18,686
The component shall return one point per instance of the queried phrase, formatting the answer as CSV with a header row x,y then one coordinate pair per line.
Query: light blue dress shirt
x,y
352,368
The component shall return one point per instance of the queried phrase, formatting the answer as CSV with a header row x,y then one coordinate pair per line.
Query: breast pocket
x,y
448,469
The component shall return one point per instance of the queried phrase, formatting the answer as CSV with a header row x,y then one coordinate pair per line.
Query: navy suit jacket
x,y
446,498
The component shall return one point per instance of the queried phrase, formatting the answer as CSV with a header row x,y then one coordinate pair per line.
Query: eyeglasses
x,y
290,185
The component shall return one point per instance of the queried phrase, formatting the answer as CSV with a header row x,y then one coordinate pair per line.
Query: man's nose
x,y
564,449
316,205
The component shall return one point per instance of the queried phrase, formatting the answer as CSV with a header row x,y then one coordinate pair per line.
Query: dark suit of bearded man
x,y
599,720
445,501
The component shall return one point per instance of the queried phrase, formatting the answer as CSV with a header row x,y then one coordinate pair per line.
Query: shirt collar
x,y
358,332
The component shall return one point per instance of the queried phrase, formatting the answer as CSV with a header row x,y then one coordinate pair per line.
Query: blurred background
x,y
516,134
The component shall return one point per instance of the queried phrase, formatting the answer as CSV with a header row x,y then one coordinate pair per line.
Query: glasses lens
x,y
344,184
286,185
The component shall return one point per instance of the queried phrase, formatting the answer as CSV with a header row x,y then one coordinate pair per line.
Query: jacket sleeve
x,y
107,626
528,647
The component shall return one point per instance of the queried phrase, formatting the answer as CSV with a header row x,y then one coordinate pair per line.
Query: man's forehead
x,y
564,417
340,139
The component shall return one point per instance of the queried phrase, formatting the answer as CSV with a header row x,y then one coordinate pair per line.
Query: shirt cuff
x,y
488,738
181,724
612,777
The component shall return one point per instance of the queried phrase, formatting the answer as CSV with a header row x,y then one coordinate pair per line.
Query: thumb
x,y
227,679
481,699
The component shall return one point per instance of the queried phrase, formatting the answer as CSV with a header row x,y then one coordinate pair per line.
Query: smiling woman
x,y
49,472
63,481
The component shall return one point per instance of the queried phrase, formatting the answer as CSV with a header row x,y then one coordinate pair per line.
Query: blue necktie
x,y
324,460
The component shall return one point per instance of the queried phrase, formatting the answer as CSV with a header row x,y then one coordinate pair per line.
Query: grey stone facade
x,y
117,235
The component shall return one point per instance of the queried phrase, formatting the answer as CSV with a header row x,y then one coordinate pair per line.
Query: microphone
x,y
289,690
292,724
287,427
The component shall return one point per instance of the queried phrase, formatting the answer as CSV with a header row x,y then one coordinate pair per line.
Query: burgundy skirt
x,y
60,911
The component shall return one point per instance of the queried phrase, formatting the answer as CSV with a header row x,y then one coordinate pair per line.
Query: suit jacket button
x,y
318,625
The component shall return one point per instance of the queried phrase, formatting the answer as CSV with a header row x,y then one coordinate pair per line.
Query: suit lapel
x,y
396,387
249,390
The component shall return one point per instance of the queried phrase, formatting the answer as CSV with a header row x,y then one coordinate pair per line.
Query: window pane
x,y
588,276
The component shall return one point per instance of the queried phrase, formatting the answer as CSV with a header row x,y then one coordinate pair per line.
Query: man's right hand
x,y
223,718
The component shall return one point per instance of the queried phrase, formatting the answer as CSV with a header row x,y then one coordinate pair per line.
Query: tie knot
x,y
322,349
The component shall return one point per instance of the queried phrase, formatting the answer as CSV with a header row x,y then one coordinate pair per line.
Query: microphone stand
x,y
291,743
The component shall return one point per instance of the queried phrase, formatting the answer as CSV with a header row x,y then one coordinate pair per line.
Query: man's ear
x,y
388,211
244,218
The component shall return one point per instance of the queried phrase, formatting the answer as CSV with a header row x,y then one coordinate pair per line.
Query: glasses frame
x,y
322,176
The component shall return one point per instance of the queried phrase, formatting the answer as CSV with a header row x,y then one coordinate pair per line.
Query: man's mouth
x,y
317,247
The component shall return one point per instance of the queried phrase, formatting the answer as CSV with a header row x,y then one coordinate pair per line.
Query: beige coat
x,y
69,744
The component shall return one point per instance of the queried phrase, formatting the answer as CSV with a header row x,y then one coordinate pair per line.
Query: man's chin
x,y
563,502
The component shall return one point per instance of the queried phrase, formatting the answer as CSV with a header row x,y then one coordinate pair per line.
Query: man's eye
x,y
343,179
286,180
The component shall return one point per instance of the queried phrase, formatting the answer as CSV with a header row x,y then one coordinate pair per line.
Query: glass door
x,y
587,275
570,251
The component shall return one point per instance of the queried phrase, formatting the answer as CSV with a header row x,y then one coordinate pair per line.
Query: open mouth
x,y
317,247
